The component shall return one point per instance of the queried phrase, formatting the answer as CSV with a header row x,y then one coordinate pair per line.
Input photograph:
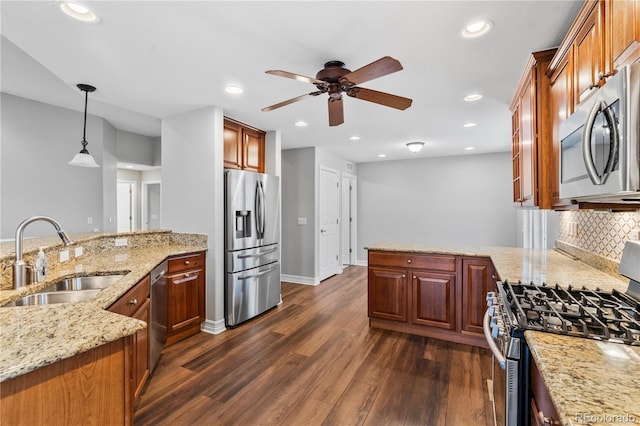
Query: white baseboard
x,y
297,279
213,327
360,262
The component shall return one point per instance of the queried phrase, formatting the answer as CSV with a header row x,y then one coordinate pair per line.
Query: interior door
x,y
348,220
125,206
329,222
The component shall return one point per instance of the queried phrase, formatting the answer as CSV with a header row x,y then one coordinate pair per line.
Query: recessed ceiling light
x,y
472,97
300,123
233,89
476,29
382,155
354,138
470,148
78,11
469,125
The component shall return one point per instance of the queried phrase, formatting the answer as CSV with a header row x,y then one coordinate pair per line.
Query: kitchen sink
x,y
67,290
91,282
55,297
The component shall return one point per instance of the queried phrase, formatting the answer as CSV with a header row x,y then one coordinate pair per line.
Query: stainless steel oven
x,y
599,143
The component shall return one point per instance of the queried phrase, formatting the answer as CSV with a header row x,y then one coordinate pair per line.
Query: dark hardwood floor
x,y
314,360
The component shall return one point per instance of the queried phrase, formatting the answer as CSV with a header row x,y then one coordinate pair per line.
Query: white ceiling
x,y
153,59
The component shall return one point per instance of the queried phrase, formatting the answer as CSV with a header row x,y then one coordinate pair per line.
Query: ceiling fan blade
x,y
382,98
290,101
382,66
298,77
336,112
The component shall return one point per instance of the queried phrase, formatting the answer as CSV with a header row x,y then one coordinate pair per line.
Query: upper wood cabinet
x,y
244,146
622,40
532,151
589,54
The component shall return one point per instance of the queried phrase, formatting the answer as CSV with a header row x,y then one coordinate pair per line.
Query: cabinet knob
x,y
133,302
186,262
408,260
414,277
404,276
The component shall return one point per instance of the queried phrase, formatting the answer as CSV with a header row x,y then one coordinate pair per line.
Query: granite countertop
x,y
590,382
34,336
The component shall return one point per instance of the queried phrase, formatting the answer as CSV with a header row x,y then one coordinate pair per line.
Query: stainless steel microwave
x,y
599,144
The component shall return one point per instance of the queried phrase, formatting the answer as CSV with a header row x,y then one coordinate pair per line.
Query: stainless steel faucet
x,y
22,272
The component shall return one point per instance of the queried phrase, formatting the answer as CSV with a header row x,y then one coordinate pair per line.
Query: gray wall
x,y
37,142
137,149
463,200
298,200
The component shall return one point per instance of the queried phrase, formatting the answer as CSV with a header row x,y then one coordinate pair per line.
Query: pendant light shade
x,y
83,158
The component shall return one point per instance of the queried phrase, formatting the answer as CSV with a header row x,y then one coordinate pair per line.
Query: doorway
x,y
348,222
329,222
151,203
126,206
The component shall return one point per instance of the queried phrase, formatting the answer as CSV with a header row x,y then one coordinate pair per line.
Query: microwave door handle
x,y
615,143
587,152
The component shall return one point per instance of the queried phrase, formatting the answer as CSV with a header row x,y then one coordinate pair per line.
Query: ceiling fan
x,y
335,79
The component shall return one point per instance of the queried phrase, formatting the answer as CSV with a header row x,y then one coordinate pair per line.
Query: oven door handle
x,y
492,345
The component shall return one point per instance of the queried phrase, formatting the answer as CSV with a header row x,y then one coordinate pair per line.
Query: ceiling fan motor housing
x,y
331,73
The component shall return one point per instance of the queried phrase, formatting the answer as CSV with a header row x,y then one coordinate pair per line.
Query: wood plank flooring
x,y
314,360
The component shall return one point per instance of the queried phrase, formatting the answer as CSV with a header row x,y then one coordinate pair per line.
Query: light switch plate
x,y
121,242
302,221
64,256
78,251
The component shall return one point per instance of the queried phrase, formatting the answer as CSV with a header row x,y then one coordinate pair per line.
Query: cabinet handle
x,y
603,76
408,260
545,420
133,302
186,262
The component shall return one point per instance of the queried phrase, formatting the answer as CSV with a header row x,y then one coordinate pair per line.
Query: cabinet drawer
x,y
183,263
132,300
413,260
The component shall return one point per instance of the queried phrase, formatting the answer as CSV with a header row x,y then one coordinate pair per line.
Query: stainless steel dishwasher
x,y
158,313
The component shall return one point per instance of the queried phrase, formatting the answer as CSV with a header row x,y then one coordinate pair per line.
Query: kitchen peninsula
x,y
585,379
37,338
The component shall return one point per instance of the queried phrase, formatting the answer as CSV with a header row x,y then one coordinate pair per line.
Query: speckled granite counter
x,y
34,336
590,382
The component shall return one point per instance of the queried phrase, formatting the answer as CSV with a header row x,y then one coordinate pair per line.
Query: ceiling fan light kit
x,y
83,158
415,146
334,79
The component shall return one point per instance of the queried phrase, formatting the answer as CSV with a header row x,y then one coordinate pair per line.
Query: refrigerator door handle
x,y
259,210
257,274
262,253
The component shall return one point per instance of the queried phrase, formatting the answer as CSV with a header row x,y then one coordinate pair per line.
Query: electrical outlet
x,y
89,220
635,235
78,251
64,256
121,242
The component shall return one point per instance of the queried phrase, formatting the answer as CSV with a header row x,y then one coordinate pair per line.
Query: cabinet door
x,y
528,182
253,150
184,299
588,51
388,293
433,301
562,103
515,157
477,280
232,145
623,27
141,349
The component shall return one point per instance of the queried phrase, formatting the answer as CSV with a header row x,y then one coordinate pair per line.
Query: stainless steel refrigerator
x,y
252,244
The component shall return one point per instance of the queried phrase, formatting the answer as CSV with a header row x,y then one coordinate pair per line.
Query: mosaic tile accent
x,y
601,233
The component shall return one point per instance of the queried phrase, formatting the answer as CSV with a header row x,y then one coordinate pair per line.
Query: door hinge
x,y
350,251
336,257
350,219
336,221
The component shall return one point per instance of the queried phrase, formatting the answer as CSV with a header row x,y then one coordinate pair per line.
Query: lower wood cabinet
x,y
89,388
432,295
185,296
136,303
542,411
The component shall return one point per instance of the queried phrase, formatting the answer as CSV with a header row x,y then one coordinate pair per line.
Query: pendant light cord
x,y
84,129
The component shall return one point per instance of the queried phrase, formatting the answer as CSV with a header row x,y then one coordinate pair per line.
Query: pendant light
x,y
83,158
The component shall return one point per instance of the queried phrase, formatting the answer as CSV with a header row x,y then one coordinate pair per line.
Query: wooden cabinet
x,y
478,278
622,41
89,388
244,147
427,295
588,51
532,147
542,412
136,304
185,296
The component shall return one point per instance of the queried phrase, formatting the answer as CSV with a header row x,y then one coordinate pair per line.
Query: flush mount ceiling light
x,y
382,155
476,29
300,123
470,148
233,89
78,11
83,158
469,125
415,146
354,138
472,97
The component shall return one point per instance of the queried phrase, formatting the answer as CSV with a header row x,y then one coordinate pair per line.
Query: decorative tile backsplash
x,y
596,232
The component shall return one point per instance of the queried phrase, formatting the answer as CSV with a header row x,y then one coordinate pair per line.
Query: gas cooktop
x,y
608,316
